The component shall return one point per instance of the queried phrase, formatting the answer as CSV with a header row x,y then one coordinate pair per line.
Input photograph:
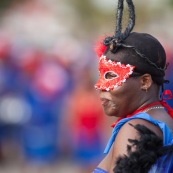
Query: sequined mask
x,y
120,73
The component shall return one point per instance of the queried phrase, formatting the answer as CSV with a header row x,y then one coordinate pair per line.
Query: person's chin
x,y
109,108
110,113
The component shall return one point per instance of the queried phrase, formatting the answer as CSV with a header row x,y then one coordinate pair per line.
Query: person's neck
x,y
148,101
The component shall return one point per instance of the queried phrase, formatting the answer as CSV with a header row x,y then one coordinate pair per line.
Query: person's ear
x,y
146,82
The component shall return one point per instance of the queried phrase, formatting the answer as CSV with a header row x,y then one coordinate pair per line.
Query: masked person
x,y
132,68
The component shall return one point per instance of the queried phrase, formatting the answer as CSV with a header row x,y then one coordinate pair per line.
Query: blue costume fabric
x,y
162,165
99,170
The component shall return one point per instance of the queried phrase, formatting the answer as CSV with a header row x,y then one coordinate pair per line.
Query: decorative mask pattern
x,y
120,71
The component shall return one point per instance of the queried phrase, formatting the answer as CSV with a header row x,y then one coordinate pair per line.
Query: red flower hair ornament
x,y
121,73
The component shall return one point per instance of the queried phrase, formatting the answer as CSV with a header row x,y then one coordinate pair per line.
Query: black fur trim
x,y
148,148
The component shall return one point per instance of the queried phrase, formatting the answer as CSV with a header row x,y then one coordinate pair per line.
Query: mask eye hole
x,y
110,75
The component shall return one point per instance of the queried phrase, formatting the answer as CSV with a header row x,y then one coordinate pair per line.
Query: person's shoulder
x,y
127,132
143,153
127,129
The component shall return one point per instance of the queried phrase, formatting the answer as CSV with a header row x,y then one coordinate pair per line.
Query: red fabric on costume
x,y
167,95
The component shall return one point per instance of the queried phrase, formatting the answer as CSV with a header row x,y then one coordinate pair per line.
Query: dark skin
x,y
133,94
125,99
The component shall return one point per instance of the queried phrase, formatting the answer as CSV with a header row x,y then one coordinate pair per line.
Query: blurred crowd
x,y
49,109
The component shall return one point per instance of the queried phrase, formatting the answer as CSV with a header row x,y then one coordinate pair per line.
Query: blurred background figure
x,y
50,115
85,121
169,71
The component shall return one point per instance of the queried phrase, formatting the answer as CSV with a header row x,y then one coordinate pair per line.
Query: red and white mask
x,y
121,73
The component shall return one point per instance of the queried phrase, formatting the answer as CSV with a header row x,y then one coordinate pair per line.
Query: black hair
x,y
139,49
